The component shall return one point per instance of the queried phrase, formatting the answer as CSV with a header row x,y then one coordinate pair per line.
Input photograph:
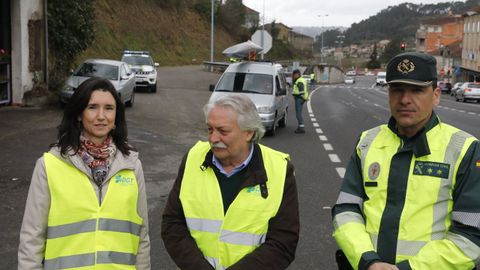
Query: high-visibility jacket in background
x,y
225,238
81,233
296,90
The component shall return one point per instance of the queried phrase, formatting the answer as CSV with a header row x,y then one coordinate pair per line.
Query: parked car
x,y
351,73
145,69
117,72
381,78
349,80
455,87
264,83
468,91
445,87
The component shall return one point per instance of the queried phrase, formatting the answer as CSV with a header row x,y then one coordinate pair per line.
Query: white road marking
x,y
328,147
334,158
341,172
323,138
316,125
319,131
327,208
314,119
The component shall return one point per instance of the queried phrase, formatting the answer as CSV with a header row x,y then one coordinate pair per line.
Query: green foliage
x,y
373,63
232,15
171,4
392,49
330,37
70,31
274,31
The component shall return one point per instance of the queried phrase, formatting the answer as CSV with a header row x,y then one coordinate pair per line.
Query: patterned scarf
x,y
97,157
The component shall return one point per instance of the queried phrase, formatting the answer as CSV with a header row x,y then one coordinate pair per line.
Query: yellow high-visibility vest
x,y
224,239
83,234
426,215
296,90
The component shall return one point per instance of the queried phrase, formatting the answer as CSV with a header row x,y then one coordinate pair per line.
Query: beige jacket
x,y
34,226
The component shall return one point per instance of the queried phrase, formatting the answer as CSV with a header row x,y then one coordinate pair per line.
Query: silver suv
x,y
264,83
142,64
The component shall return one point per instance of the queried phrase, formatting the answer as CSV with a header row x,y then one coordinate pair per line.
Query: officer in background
x,y
234,204
300,94
410,196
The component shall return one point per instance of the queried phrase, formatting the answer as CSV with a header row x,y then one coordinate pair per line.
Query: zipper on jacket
x,y
100,194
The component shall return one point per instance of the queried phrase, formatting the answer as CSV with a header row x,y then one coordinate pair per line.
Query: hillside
x,y
402,21
172,37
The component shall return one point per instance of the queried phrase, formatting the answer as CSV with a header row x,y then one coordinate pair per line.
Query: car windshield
x,y
138,60
246,82
98,70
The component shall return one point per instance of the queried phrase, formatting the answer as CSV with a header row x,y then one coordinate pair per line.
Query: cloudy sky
x,y
340,12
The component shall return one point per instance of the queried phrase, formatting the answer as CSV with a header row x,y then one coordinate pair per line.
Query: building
x,y
448,59
23,51
282,31
252,18
471,51
300,41
435,33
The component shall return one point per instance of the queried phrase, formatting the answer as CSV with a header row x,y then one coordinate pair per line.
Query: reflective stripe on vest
x,y
225,239
82,233
436,208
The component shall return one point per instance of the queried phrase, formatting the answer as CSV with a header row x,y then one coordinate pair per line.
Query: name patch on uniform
x,y
435,169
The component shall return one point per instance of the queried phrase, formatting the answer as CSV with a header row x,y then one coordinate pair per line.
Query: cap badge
x,y
406,66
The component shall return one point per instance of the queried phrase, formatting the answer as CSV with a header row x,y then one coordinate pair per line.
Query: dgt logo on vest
x,y
124,181
254,190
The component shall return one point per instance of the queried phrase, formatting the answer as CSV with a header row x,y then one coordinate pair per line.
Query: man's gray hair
x,y
248,118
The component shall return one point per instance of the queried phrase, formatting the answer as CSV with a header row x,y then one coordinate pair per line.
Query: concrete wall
x,y
22,78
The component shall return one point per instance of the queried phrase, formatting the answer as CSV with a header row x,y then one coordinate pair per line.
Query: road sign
x,y
267,40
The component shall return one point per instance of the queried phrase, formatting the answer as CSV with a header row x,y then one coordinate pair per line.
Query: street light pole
x,y
212,32
263,31
321,44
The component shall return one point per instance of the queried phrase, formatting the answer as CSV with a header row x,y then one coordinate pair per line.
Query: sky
x,y
311,12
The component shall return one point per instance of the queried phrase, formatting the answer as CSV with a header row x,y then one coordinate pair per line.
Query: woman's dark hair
x,y
70,128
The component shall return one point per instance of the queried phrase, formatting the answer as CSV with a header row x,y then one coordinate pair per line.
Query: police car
x,y
142,64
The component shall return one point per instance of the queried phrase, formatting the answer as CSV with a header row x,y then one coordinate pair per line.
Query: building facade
x,y
434,34
23,51
471,49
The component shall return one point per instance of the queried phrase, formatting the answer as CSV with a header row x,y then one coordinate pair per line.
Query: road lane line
x,y
316,125
328,147
341,172
314,119
323,138
309,102
334,158
319,131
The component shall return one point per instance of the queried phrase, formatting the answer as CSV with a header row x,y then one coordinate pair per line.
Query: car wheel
x,y
153,88
464,100
271,132
283,122
131,101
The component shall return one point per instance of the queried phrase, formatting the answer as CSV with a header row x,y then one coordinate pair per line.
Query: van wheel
x,y
271,132
283,122
131,101
153,88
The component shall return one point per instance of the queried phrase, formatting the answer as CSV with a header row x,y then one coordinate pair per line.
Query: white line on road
x,y
314,119
327,208
341,172
334,158
309,103
316,125
328,147
319,131
323,138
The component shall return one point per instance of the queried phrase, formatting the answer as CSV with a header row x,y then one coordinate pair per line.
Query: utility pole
x,y
263,31
321,44
212,32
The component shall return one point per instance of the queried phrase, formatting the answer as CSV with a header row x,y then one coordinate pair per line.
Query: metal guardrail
x,y
216,66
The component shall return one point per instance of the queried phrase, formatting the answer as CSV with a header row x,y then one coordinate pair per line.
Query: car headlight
x,y
263,109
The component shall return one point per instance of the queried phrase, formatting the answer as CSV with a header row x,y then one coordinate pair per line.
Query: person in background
x,y
86,206
410,195
300,94
234,204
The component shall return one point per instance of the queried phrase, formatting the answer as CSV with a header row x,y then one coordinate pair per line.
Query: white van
x,y
381,78
264,83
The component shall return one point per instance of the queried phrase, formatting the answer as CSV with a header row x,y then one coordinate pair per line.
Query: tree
x,y
373,63
329,38
70,31
232,15
392,49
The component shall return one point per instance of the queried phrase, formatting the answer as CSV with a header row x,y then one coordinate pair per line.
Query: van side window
x,y
281,90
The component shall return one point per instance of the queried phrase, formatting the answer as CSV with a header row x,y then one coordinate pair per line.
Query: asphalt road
x,y
164,125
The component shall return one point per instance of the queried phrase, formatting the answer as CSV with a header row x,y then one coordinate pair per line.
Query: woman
x,y
86,203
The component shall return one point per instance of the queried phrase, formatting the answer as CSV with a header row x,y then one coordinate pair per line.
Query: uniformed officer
x,y
234,204
300,94
410,196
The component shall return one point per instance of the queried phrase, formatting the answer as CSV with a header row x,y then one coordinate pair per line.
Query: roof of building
x,y
441,20
455,49
250,10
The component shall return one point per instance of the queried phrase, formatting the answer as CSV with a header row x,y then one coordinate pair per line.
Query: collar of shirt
x,y
235,170
418,143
